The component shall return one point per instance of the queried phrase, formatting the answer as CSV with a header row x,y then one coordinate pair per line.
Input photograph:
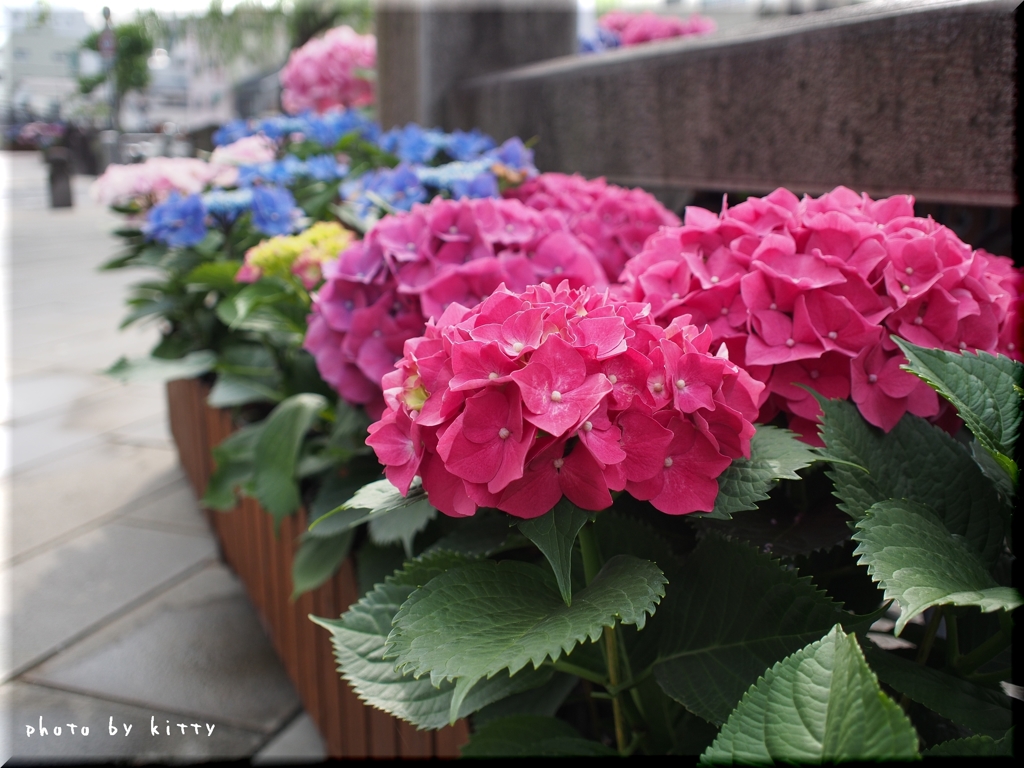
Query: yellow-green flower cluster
x,y
300,254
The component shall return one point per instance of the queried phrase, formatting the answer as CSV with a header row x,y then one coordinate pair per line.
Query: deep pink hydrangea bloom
x,y
809,291
614,222
537,394
412,266
331,71
636,28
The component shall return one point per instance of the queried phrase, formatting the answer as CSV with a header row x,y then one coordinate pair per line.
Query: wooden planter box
x,y
263,562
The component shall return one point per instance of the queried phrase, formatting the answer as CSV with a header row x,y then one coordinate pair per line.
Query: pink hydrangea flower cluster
x,y
331,71
249,150
412,266
150,182
549,392
614,222
807,292
636,28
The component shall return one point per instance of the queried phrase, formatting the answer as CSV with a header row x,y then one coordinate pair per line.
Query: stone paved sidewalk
x,y
117,614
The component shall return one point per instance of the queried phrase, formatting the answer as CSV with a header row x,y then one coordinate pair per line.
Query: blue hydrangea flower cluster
x,y
326,129
396,188
601,40
417,145
290,168
181,222
410,183
274,211
178,222
226,205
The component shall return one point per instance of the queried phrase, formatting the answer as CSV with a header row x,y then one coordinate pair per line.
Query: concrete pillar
x,y
426,47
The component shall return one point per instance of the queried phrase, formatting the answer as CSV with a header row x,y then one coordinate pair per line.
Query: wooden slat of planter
x,y
449,740
246,520
270,581
353,727
383,734
329,709
263,563
309,683
414,743
288,610
218,428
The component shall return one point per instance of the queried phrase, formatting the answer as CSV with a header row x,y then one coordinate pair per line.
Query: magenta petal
x,y
645,441
582,480
608,334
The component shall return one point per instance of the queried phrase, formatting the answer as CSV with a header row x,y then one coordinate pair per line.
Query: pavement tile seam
x,y
60,407
183,529
150,496
113,616
271,737
268,735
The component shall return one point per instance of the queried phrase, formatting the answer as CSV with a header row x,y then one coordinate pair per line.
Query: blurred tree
x,y
130,69
311,17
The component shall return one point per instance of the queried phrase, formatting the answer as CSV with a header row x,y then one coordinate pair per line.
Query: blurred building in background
x,y
39,60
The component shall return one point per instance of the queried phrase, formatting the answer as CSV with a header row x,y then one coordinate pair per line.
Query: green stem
x,y
929,636
633,682
991,677
926,647
591,565
983,653
632,745
1005,622
952,639
574,669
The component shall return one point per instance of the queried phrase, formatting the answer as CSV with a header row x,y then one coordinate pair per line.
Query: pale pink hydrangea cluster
x,y
636,28
148,183
807,292
412,266
614,222
249,150
331,71
532,395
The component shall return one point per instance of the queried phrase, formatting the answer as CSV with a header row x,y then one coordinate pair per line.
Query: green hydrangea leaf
x,y
981,387
231,390
475,621
532,736
919,563
215,275
775,454
277,453
821,704
544,700
372,502
317,559
555,534
483,534
983,710
233,463
917,461
359,636
734,612
161,369
973,746
400,526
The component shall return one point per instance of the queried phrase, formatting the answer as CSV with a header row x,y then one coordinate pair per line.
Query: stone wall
x,y
885,97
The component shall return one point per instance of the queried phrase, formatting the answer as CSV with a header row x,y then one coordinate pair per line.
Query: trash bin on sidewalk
x,y
59,160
